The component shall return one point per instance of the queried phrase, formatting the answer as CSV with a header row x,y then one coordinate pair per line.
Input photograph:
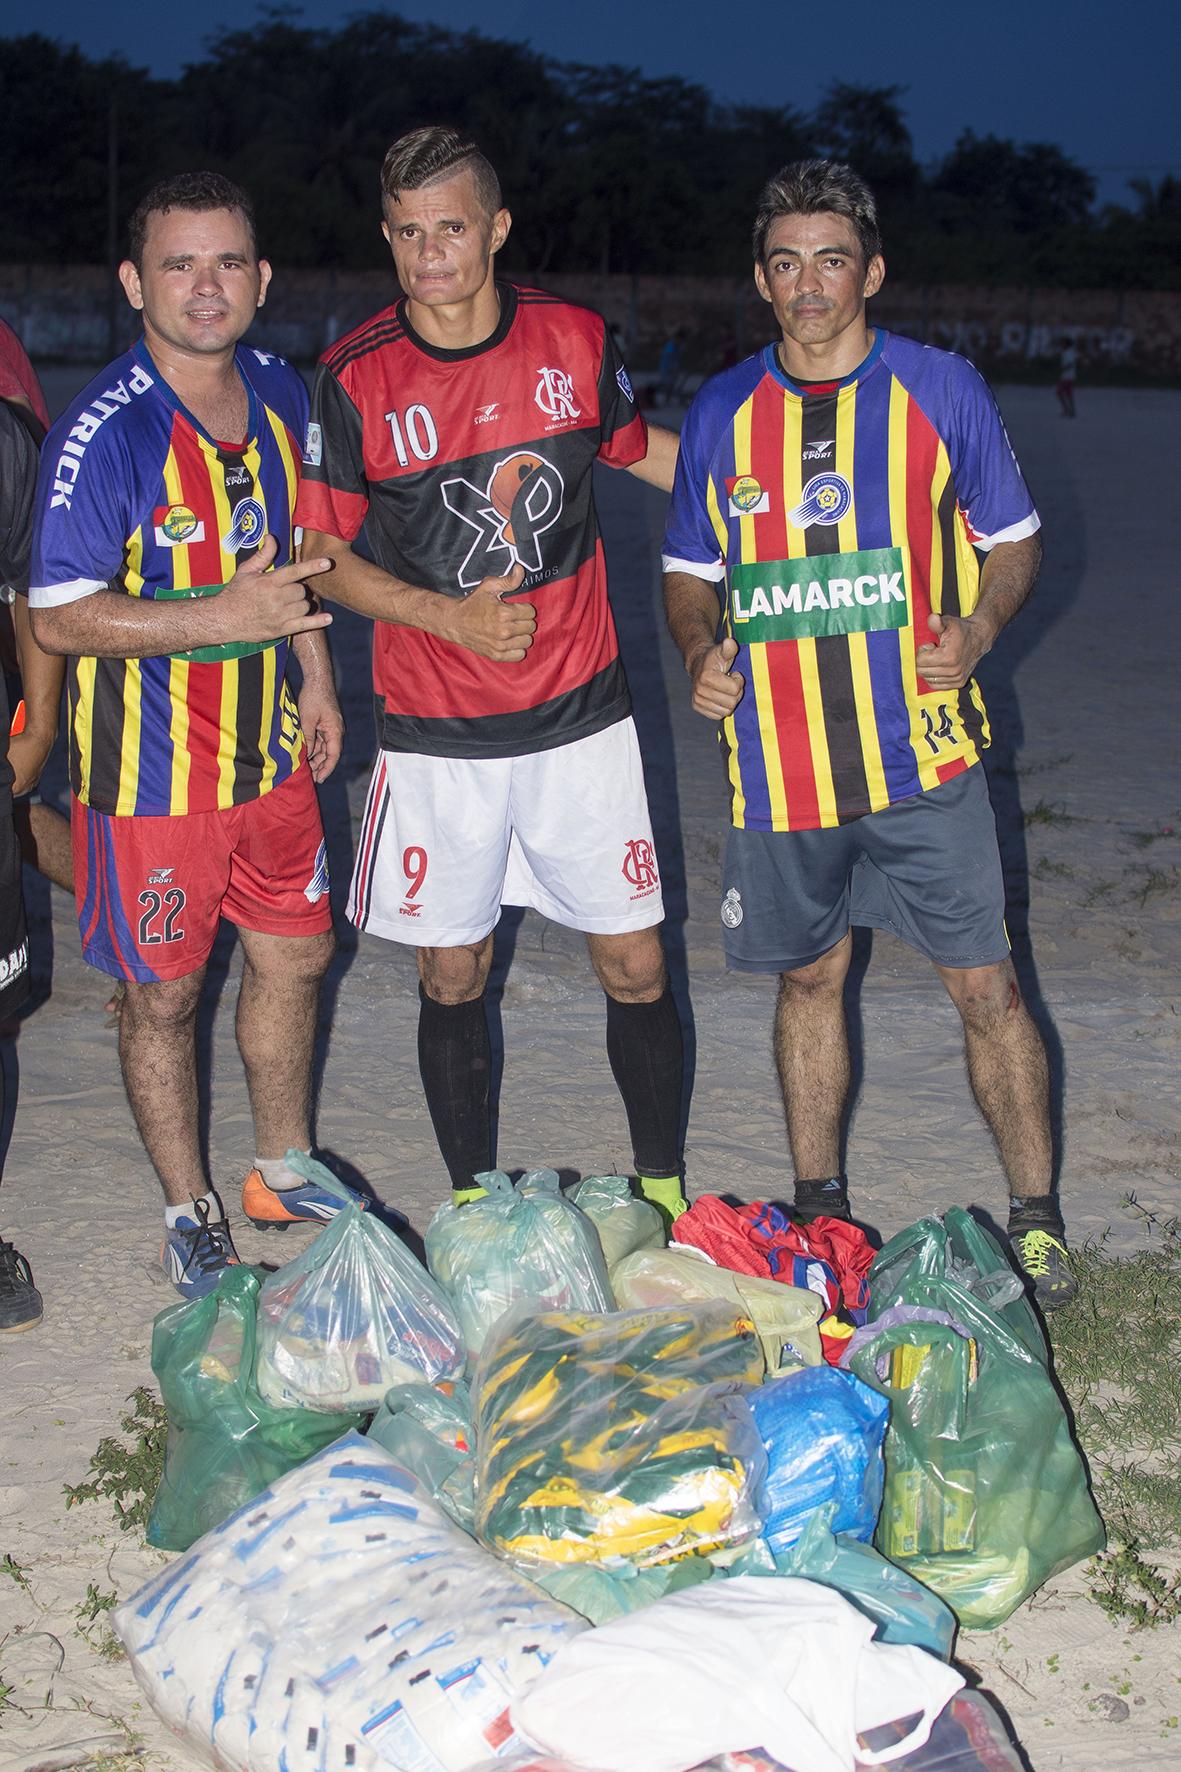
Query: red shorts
x,y
150,891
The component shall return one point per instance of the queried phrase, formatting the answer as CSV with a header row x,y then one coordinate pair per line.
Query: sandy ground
x,y
1084,779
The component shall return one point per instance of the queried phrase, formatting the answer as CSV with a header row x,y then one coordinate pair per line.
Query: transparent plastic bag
x,y
226,1443
341,1621
902,1608
785,1317
822,1431
624,1223
428,1429
520,1245
351,1316
986,1496
622,1437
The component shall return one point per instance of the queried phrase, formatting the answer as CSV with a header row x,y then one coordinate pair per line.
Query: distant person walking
x,y
1067,371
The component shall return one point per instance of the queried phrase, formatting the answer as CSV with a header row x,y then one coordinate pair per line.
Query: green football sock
x,y
665,1193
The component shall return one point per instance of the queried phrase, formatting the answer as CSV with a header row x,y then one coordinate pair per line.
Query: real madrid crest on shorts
x,y
827,498
732,908
248,528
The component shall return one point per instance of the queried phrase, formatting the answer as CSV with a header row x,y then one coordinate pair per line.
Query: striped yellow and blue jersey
x,y
134,495
835,522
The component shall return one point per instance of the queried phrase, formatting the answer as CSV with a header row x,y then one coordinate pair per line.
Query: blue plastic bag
x,y
822,1431
902,1608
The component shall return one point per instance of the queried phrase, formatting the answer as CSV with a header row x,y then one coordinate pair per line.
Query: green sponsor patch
x,y
209,654
819,594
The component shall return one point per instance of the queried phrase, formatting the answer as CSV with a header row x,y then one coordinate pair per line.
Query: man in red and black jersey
x,y
461,425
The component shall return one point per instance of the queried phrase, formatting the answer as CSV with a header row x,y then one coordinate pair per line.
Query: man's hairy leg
x,y
812,1057
276,1029
1008,1070
158,1054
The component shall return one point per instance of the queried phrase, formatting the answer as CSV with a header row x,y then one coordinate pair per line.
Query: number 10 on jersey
x,y
417,430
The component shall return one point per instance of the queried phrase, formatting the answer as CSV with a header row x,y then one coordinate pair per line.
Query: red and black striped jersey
x,y
461,465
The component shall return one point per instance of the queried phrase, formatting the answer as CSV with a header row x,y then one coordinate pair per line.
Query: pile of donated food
x,y
575,1501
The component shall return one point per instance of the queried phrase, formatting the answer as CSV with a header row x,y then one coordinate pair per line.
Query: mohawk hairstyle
x,y
437,152
818,187
197,191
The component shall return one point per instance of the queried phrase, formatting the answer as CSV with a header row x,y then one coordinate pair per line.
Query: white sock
x,y
276,1174
174,1214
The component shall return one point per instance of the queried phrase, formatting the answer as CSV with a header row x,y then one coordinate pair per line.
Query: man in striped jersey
x,y
165,500
836,489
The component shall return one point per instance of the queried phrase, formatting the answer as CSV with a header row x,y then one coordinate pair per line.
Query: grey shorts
x,y
927,869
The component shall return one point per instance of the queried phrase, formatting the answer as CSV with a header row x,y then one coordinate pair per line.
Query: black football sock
x,y
826,1198
1035,1212
455,1061
647,1053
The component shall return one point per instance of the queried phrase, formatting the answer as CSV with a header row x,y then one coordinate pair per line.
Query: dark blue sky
x,y
1096,77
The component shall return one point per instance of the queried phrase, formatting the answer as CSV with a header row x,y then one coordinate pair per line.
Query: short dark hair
x,y
198,191
425,155
818,187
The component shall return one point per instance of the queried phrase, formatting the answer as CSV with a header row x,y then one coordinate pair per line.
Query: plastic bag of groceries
x,y
617,1438
785,1317
624,1222
985,1496
351,1316
902,1608
341,1620
428,1429
822,1431
226,1443
519,1245
773,1661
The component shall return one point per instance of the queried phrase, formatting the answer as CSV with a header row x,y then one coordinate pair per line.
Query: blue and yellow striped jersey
x,y
839,520
136,496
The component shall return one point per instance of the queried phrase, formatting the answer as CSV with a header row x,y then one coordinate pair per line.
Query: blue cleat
x,y
273,1209
197,1251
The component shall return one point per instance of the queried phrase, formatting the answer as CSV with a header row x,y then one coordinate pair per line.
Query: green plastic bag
x,y
986,1496
428,1429
519,1245
902,1608
624,1222
225,1444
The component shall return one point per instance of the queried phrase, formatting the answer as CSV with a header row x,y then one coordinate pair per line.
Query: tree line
x,y
604,168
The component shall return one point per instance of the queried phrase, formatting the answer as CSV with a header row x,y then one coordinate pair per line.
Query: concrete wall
x,y
70,314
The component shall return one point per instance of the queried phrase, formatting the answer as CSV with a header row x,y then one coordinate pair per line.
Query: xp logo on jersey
x,y
175,525
827,498
639,867
248,528
523,498
317,886
747,498
554,394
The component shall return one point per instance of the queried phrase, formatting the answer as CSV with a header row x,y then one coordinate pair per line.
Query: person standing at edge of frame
x,y
835,488
164,502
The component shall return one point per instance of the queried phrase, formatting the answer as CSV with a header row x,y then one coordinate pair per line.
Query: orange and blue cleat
x,y
273,1209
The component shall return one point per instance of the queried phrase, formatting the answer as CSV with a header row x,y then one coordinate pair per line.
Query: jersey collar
x,y
167,393
774,367
508,313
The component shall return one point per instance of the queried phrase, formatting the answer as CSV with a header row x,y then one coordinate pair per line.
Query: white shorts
x,y
445,841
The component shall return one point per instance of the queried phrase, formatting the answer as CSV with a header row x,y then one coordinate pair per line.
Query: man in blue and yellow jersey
x,y
837,489
162,569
